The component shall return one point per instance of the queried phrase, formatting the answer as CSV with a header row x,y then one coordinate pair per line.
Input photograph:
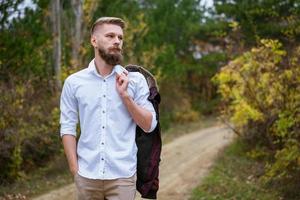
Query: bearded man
x,y
109,103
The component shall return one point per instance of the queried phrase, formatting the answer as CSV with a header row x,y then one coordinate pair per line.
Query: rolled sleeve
x,y
68,110
153,123
141,99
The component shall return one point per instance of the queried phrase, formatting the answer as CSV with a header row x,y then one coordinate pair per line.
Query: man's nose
x,y
117,40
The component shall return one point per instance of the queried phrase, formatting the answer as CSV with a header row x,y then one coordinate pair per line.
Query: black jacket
x,y
148,144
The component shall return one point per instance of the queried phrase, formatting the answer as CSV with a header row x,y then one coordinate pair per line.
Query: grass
x,y
234,177
56,174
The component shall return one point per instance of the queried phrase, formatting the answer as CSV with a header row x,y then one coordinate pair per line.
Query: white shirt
x,y
106,148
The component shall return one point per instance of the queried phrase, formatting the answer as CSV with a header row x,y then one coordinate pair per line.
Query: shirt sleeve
x,y
68,110
141,98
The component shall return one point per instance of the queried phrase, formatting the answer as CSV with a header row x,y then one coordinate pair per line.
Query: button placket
x,y
103,127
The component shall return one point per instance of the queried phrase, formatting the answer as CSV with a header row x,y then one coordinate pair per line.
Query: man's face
x,y
108,40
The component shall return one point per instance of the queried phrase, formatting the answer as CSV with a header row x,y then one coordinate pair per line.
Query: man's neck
x,y
102,67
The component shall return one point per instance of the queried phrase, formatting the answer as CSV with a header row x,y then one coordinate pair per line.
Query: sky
x,y
26,3
207,3
21,9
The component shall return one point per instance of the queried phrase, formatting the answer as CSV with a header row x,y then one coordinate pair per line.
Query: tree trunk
x,y
76,33
56,32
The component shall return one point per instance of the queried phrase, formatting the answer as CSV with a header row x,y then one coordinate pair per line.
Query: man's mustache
x,y
115,49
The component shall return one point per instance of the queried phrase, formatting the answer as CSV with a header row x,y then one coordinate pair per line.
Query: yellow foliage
x,y
252,78
261,97
257,153
243,112
234,25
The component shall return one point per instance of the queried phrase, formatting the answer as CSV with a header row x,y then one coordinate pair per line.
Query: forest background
x,y
238,59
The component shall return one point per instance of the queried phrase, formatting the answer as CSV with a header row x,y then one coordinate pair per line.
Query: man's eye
x,y
120,38
110,36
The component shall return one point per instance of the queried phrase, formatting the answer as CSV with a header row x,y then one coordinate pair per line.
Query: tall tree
x,y
77,32
56,27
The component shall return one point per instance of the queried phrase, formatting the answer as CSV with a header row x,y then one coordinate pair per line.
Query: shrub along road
x,y
185,161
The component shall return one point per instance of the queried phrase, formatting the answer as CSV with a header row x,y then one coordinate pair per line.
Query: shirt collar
x,y
92,69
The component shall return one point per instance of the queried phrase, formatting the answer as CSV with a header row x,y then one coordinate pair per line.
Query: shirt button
x,y
102,143
104,95
102,158
103,111
103,127
104,80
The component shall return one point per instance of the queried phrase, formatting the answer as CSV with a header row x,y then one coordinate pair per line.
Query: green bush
x,y
260,91
28,127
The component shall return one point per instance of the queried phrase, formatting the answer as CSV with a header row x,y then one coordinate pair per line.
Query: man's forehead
x,y
109,28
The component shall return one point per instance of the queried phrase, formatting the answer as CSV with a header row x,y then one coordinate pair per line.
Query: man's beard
x,y
111,58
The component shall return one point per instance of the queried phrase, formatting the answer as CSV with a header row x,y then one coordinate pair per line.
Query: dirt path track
x,y
185,162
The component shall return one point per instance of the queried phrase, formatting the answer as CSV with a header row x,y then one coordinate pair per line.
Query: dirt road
x,y
185,162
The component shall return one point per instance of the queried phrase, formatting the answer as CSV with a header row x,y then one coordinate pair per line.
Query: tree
x,y
55,8
277,19
77,32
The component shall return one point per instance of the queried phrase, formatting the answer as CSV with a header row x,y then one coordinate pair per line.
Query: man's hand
x,y
74,170
122,84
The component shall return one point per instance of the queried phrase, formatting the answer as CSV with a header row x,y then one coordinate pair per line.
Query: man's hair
x,y
108,20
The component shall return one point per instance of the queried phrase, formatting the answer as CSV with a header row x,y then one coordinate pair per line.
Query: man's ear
x,y
94,41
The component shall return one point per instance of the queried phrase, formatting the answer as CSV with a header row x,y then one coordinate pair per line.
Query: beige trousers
x,y
94,189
